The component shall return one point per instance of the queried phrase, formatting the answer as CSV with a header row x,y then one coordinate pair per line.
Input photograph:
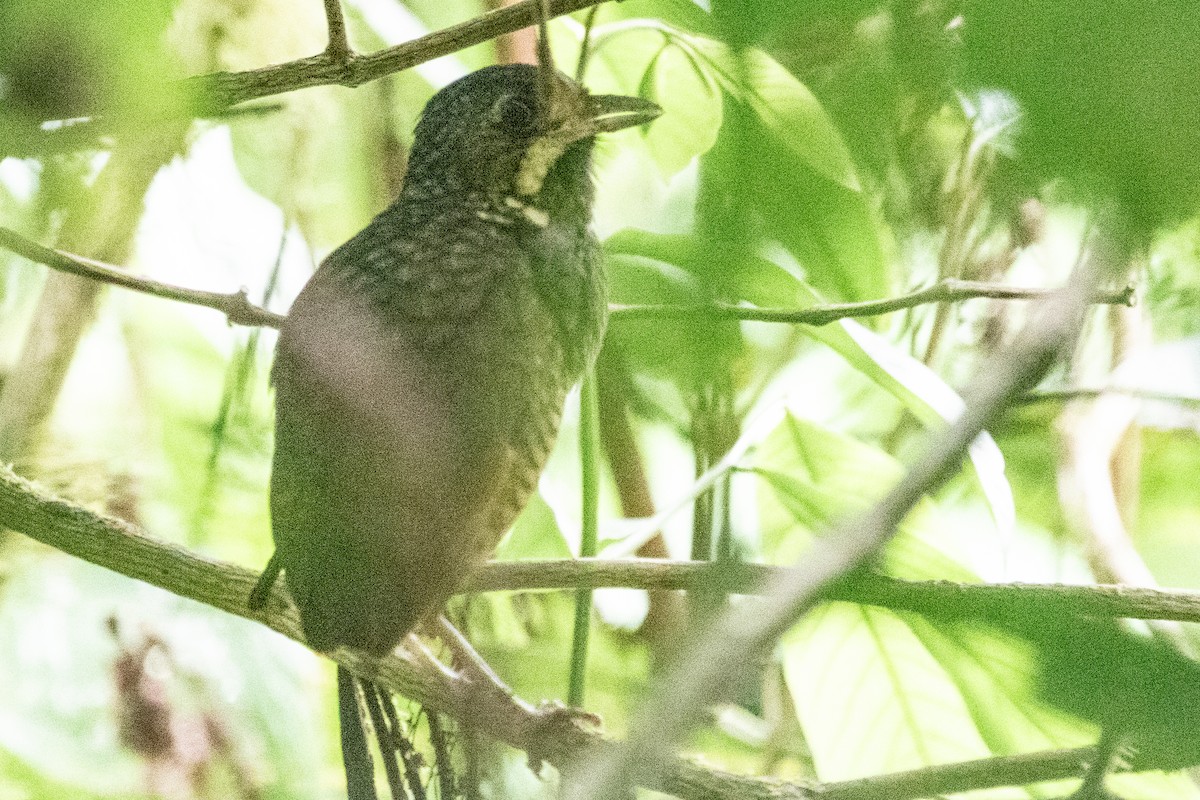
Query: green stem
x,y
589,452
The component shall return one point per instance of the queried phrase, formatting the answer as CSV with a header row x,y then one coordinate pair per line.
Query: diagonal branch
x,y
240,311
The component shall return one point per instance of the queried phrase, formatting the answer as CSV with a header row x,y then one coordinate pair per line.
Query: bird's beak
x,y
613,112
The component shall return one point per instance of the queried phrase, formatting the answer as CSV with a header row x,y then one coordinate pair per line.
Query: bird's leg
x,y
467,658
475,667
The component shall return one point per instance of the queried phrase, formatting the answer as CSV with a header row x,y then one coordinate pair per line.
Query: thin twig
x,y
948,290
235,306
240,311
220,90
338,50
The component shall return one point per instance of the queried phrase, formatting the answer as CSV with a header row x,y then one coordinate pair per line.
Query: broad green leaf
x,y
637,57
871,699
796,173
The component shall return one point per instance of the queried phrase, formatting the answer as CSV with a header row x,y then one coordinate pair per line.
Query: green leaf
x,y
786,158
535,535
871,699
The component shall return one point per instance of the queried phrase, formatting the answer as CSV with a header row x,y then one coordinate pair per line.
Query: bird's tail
x,y
354,696
360,772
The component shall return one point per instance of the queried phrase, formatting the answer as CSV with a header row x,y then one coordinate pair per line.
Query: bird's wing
x,y
381,470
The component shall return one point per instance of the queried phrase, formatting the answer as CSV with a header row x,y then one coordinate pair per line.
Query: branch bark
x,y
942,600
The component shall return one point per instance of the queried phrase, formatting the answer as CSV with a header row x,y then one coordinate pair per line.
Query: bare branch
x,y
240,311
220,90
118,546
939,599
948,290
236,306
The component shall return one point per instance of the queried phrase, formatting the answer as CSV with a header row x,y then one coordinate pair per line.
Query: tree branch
x,y
235,306
948,290
219,90
338,50
939,599
546,734
240,311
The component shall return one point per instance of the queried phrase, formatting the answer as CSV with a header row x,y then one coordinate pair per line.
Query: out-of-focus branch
x,y
1068,395
719,663
102,222
665,616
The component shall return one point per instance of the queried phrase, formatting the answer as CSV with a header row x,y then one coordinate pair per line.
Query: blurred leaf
x,y
62,59
677,350
637,57
911,682
1115,108
798,175
178,378
691,106
535,535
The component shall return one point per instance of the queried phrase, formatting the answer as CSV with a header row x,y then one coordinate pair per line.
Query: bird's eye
x,y
514,114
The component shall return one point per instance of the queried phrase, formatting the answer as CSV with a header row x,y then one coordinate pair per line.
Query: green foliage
x,y
808,153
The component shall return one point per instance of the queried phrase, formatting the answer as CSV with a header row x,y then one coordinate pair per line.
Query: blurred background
x,y
809,153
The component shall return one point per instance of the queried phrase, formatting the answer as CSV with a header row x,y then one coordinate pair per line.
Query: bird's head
x,y
503,130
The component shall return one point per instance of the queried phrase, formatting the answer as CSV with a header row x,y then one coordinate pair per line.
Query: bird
x,y
421,373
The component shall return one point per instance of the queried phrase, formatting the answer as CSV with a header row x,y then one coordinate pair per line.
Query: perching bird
x,y
420,375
